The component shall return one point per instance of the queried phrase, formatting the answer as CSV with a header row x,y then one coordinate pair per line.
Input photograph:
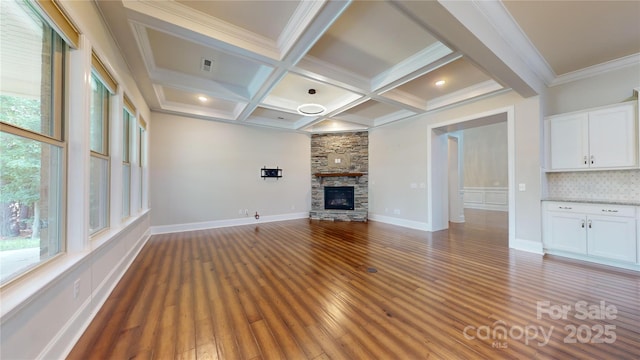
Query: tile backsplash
x,y
621,185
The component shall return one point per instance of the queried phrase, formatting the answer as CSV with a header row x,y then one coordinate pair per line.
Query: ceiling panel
x,y
185,57
261,114
177,100
572,35
457,75
265,17
293,91
358,43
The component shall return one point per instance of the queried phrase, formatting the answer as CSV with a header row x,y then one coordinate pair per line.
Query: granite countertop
x,y
596,201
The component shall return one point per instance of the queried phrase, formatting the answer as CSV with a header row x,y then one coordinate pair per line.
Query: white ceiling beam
x,y
462,26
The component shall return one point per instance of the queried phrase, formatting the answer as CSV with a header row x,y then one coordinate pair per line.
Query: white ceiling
x,y
370,62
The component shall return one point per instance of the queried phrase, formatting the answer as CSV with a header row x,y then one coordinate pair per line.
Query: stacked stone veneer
x,y
356,147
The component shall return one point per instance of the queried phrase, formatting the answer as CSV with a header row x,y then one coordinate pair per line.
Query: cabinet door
x,y
569,141
611,237
612,137
567,232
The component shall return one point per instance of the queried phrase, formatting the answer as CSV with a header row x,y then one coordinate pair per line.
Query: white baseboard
x,y
527,245
166,229
400,222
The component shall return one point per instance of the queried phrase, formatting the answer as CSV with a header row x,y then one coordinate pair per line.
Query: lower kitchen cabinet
x,y
597,231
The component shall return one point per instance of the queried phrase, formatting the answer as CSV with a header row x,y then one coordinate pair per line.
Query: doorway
x,y
438,167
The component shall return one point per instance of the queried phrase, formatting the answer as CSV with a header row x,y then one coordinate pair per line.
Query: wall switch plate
x,y
522,187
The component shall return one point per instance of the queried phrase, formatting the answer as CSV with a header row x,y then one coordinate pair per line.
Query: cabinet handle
x,y
585,159
582,225
589,224
609,210
592,159
566,207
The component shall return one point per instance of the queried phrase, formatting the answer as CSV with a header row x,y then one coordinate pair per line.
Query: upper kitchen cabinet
x,y
602,138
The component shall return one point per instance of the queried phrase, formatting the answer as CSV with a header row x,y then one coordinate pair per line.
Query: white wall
x,y
41,318
485,156
398,159
204,172
604,89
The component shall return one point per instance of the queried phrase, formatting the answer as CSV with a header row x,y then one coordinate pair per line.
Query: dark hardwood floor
x,y
322,290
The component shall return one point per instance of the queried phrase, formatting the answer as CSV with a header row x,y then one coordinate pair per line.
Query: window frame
x,y
57,137
105,154
127,119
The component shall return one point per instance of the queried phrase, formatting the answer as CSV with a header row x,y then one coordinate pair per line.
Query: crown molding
x,y
142,39
597,69
174,13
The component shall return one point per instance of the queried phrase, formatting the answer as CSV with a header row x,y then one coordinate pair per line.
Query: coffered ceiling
x,y
368,62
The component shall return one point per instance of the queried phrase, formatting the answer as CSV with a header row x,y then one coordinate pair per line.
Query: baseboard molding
x,y
527,245
78,324
167,229
400,222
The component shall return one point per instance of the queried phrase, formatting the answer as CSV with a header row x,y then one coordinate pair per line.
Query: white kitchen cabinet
x,y
570,141
594,230
567,232
612,237
605,138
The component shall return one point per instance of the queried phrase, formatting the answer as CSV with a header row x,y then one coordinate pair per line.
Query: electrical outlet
x,y
396,211
76,288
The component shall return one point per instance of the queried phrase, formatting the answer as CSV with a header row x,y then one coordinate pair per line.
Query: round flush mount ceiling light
x,y
440,82
202,98
311,109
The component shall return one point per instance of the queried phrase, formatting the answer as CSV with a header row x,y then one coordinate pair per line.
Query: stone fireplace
x,y
339,180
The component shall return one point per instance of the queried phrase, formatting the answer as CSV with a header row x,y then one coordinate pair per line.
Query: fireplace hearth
x,y
339,198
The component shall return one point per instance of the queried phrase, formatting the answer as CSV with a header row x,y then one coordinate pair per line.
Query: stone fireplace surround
x,y
351,170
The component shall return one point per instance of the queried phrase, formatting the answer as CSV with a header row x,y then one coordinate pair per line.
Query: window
x,y
141,146
126,163
99,145
31,140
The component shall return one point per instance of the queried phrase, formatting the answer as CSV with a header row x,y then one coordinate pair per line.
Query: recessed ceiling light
x,y
440,82
202,98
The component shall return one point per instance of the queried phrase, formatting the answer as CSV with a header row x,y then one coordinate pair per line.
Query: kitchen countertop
x,y
596,201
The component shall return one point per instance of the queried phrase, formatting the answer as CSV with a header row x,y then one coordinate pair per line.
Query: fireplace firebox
x,y
339,198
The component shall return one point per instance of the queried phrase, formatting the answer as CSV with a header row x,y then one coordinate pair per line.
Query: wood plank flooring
x,y
322,290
